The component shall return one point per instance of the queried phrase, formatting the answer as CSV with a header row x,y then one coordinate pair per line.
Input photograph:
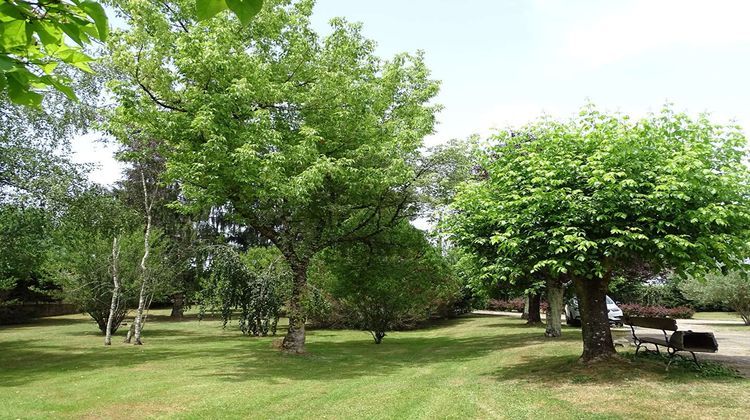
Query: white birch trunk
x,y
139,320
115,292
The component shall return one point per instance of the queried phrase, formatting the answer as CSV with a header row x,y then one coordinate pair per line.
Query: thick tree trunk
x,y
554,307
115,293
597,337
525,313
178,306
294,341
535,317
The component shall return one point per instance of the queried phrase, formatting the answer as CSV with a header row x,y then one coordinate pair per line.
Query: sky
x,y
505,62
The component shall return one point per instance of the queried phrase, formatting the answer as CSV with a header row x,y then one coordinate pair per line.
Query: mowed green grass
x,y
718,316
471,367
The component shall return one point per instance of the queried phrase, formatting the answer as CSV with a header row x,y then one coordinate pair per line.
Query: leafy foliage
x,y
309,141
81,259
25,239
35,39
634,309
601,193
254,283
395,280
244,9
513,305
731,289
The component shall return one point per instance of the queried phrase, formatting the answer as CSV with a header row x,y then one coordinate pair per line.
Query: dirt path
x,y
734,346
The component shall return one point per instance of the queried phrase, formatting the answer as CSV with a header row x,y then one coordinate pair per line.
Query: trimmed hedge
x,y
634,309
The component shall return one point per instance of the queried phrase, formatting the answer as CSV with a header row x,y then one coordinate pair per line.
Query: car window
x,y
610,301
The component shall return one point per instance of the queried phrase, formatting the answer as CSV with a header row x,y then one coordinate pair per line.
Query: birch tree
x,y
146,294
115,291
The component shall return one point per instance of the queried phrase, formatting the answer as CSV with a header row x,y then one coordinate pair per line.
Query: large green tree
x,y
310,141
600,193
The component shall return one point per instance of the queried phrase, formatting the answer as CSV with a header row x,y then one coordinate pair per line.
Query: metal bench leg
x,y
695,360
672,355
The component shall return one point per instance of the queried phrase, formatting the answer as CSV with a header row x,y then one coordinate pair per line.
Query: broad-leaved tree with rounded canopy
x,y
311,141
584,198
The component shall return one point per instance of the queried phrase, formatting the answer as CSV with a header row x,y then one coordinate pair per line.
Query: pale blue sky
x,y
506,62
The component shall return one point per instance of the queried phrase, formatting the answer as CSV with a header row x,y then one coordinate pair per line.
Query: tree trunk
x,y
115,293
138,322
597,337
535,317
294,341
178,305
554,307
525,313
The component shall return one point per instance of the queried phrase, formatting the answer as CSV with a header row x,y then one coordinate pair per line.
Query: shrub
x,y
731,289
511,305
634,309
394,280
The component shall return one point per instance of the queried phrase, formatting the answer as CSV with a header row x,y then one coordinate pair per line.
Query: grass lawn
x,y
718,316
477,366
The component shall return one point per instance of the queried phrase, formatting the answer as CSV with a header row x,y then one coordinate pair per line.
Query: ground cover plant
x,y
468,367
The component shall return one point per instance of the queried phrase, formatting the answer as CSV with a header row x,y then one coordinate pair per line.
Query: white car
x,y
573,316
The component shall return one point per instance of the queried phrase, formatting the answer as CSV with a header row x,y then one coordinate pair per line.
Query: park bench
x,y
678,341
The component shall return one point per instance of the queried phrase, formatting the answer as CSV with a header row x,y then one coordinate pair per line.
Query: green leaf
x,y
50,35
245,9
65,89
97,13
48,68
13,34
6,63
9,12
206,9
74,32
19,93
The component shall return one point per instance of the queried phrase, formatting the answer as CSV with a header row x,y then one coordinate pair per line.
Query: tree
x,y
731,289
255,283
37,183
601,192
81,262
390,281
310,142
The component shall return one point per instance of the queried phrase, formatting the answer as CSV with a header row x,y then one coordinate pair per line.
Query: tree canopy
x,y
586,197
310,141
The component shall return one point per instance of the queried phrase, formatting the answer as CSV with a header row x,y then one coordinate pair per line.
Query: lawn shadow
x,y
242,358
567,369
53,321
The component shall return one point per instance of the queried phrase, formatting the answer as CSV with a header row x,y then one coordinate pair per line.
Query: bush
x,y
512,305
395,280
634,309
731,289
